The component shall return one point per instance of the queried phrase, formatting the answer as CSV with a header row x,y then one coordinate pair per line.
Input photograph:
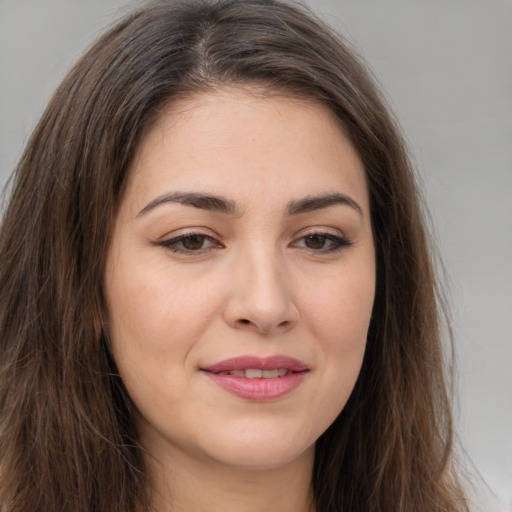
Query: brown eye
x,y
315,241
188,244
193,242
322,243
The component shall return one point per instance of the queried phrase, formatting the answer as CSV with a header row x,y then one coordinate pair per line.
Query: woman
x,y
217,289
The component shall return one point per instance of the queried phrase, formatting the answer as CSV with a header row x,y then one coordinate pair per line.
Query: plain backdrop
x,y
447,68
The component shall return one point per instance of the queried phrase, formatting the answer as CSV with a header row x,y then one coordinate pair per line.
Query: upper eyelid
x,y
320,230
192,231
330,236
182,236
209,233
339,241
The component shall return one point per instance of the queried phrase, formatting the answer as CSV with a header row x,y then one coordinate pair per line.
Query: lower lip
x,y
258,390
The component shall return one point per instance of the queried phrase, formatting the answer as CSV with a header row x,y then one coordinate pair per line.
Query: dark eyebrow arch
x,y
310,203
197,200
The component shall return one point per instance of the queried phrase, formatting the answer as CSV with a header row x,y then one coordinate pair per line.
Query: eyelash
x,y
172,243
336,243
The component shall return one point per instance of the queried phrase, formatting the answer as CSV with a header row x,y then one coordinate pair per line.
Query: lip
x,y
258,389
263,363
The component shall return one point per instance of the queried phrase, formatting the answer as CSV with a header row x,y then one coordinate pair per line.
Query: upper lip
x,y
262,363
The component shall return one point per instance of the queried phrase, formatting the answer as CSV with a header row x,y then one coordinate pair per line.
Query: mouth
x,y
258,367
258,373
258,379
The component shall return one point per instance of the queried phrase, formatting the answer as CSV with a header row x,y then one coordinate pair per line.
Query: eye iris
x,y
193,242
315,241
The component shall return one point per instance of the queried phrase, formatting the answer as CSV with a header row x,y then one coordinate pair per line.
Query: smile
x,y
258,379
256,373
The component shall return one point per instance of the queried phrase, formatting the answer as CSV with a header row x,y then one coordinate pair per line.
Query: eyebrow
x,y
202,201
311,203
220,204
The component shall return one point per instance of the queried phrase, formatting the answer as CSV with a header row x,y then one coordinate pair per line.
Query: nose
x,y
260,296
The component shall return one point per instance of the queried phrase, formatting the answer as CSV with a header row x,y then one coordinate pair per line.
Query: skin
x,y
244,282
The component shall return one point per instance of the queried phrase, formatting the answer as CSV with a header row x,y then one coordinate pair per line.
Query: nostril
x,y
245,321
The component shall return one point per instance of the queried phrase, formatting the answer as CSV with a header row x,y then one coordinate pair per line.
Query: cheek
x,y
339,317
154,324
155,316
340,311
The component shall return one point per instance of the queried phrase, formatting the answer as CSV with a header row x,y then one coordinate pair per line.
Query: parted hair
x,y
68,442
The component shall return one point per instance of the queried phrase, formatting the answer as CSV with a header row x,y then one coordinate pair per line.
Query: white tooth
x,y
223,373
237,373
270,374
282,372
253,373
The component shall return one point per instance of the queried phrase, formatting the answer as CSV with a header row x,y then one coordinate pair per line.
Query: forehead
x,y
246,143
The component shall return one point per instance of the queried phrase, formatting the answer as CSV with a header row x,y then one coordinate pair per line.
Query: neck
x,y
193,485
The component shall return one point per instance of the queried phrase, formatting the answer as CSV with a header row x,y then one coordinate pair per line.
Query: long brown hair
x,y
67,439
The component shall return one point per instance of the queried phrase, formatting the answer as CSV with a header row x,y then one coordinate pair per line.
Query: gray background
x,y
447,67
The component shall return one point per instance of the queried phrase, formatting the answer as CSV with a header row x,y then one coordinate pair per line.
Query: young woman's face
x,y
240,279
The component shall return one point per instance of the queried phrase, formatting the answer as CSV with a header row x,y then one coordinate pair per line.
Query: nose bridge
x,y
265,278
261,298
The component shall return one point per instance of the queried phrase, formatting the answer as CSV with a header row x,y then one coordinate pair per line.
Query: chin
x,y
259,453
264,460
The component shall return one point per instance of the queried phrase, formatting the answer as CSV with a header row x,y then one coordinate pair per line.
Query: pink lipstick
x,y
258,379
